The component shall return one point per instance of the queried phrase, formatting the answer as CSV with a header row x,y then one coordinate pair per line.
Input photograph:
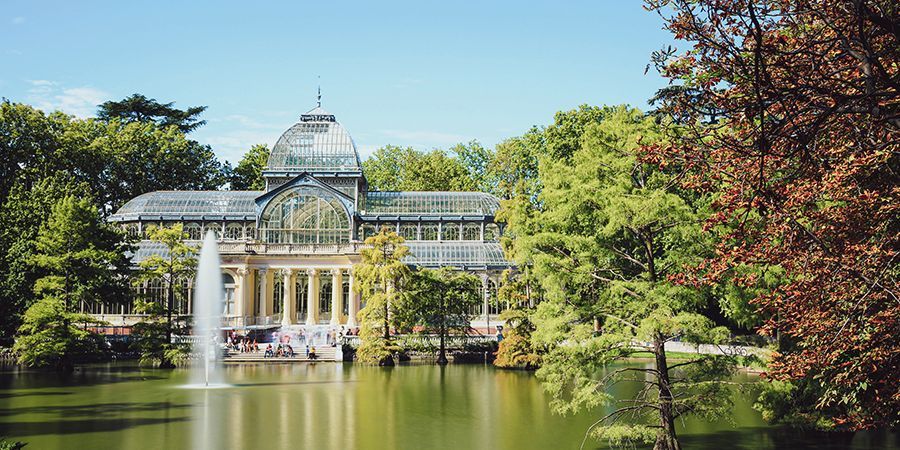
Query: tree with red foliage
x,y
790,112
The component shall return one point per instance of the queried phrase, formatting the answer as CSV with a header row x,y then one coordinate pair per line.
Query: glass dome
x,y
316,143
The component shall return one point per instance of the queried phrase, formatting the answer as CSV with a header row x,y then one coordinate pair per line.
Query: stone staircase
x,y
323,354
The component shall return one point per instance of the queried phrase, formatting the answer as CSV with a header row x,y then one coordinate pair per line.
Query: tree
x,y
393,168
443,300
563,138
119,160
174,266
610,235
516,350
803,161
384,168
380,278
247,175
476,160
21,217
436,171
138,108
83,261
514,166
43,157
142,157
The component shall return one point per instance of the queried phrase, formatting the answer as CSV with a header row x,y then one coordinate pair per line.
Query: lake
x,y
336,406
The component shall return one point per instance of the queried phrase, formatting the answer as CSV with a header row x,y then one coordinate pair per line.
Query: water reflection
x,y
327,405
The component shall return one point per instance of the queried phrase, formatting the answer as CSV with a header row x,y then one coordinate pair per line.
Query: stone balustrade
x,y
260,248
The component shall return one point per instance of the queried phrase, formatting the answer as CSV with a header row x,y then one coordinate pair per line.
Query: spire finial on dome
x,y
319,95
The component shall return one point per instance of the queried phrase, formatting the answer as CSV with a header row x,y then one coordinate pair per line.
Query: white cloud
x,y
18,20
78,101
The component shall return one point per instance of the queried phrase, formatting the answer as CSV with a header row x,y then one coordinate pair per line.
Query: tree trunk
x,y
64,363
666,439
442,354
164,362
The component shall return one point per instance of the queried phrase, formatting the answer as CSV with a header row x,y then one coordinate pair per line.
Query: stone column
x,y
312,297
265,297
486,305
243,300
353,309
337,294
288,312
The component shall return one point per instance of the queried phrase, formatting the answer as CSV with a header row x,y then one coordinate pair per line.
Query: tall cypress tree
x,y
82,260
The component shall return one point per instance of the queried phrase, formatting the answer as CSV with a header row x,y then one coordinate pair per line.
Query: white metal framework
x,y
316,143
177,205
304,215
431,203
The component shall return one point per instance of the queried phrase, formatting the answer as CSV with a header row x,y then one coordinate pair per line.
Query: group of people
x,y
241,344
286,351
281,347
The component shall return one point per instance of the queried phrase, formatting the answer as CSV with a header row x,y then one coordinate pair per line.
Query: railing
x,y
287,249
428,340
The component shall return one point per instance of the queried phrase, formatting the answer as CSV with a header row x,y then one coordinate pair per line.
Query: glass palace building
x,y
287,251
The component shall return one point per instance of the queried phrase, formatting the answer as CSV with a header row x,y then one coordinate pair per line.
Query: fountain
x,y
207,309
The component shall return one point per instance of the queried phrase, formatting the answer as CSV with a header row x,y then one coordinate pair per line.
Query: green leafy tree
x,y
83,262
140,157
476,160
176,264
608,238
443,300
21,216
516,350
380,277
43,157
247,175
384,169
11,445
436,171
139,108
393,168
514,166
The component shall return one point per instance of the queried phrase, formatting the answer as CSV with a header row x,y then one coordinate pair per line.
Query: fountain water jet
x,y
207,309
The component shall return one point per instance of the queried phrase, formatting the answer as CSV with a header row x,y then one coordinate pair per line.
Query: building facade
x,y
287,251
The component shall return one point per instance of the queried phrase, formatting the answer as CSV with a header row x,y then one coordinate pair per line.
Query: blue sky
x,y
420,73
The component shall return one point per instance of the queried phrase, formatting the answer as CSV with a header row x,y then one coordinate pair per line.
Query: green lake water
x,y
336,406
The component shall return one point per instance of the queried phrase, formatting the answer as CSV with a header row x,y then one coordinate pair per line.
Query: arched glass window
x,y
301,281
366,230
491,232
389,226
325,299
429,232
471,232
215,228
193,231
450,232
250,230
305,215
494,307
131,230
234,232
228,301
277,293
409,232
